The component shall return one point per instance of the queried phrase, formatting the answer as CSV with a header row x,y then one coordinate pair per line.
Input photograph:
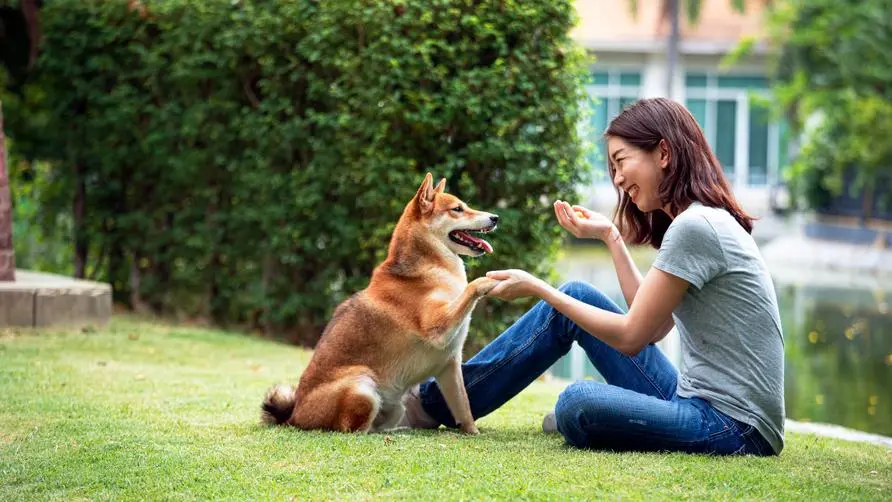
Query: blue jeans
x,y
636,409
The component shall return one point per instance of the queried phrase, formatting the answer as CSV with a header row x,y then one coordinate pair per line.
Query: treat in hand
x,y
580,214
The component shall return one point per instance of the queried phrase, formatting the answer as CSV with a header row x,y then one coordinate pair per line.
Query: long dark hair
x,y
693,174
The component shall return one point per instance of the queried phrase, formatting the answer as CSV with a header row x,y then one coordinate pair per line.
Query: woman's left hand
x,y
514,284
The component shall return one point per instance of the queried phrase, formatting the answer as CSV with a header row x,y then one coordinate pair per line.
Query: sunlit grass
x,y
146,411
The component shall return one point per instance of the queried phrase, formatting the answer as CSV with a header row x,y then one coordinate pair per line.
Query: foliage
x,y
834,81
41,239
248,160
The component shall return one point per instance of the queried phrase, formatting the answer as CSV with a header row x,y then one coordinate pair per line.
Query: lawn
x,y
141,410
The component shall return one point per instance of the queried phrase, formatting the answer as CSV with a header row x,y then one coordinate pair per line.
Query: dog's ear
x,y
425,194
441,186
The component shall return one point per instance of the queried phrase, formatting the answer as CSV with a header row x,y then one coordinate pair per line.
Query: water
x,y
837,339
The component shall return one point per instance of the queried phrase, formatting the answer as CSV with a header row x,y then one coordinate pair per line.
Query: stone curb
x,y
40,300
837,432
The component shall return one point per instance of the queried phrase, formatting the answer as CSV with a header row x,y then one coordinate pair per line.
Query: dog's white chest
x,y
455,340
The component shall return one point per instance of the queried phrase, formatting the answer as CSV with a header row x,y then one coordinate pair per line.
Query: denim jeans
x,y
636,409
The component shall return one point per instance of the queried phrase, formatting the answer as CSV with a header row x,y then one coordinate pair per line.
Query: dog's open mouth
x,y
468,239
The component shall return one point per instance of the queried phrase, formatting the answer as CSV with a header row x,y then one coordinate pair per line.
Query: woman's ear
x,y
665,154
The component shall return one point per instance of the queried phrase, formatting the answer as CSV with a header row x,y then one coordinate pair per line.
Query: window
x,y
612,90
750,147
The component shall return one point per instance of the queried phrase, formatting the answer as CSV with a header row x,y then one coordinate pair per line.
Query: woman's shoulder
x,y
691,231
696,218
709,226
717,226
698,215
699,210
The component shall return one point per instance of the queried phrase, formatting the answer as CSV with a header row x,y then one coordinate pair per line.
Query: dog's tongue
x,y
478,241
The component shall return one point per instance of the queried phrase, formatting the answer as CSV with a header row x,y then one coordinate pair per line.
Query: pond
x,y
837,339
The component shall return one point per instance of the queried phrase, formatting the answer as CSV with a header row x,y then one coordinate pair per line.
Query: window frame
x,y
612,93
712,93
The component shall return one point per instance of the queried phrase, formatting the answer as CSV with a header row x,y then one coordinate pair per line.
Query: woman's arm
x,y
630,279
586,223
626,272
657,296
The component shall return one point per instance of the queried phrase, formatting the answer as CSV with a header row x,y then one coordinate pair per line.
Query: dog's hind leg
x,y
348,404
388,417
359,406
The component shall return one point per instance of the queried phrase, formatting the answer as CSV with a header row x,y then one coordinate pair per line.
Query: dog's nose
x,y
494,218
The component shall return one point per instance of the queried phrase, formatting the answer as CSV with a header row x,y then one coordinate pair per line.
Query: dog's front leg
x,y
452,386
439,323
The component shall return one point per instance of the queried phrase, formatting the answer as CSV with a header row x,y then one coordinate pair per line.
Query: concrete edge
x,y
837,432
39,300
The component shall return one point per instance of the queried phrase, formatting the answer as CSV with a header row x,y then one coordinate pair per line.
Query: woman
x,y
708,280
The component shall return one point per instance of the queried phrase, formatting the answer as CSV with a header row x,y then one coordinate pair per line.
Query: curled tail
x,y
278,405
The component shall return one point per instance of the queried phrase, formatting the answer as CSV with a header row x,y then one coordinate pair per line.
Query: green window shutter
x,y
630,78
726,135
599,78
758,147
697,80
697,107
742,82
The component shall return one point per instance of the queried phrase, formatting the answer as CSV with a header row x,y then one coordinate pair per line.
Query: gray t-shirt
x,y
732,347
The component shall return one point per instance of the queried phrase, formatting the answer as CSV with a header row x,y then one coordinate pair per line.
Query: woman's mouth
x,y
633,192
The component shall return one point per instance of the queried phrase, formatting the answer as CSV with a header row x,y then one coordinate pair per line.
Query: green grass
x,y
146,411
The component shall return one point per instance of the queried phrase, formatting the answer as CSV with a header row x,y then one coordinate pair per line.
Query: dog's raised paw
x,y
483,285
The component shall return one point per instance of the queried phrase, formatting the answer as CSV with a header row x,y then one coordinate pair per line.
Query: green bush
x,y
247,160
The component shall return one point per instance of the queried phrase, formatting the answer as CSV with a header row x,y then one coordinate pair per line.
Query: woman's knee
x,y
573,411
588,294
577,289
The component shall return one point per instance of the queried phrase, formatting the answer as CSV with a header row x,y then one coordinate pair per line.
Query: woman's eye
x,y
457,209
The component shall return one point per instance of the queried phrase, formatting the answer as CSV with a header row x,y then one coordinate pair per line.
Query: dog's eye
x,y
457,209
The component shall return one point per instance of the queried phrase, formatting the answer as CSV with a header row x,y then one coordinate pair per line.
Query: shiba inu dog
x,y
408,325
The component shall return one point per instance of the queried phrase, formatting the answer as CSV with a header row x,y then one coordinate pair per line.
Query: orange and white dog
x,y
408,325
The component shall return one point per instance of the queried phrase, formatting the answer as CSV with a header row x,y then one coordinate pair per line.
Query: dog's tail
x,y
278,405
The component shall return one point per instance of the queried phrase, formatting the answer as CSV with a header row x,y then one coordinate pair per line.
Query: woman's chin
x,y
642,207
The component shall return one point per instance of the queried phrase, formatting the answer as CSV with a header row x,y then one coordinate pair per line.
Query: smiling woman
x,y
708,280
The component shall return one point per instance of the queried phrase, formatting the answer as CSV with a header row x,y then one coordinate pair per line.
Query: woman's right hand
x,y
583,223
